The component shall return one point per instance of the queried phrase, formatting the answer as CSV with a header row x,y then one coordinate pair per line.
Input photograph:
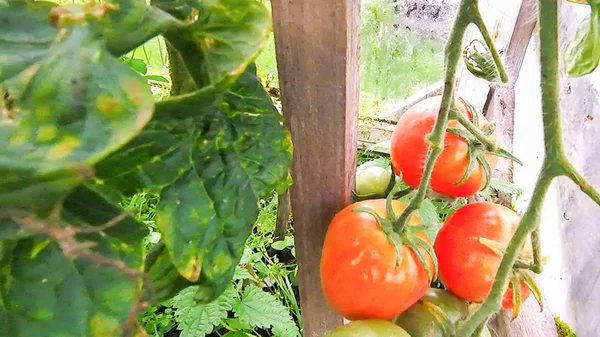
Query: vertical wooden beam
x,y
318,61
283,215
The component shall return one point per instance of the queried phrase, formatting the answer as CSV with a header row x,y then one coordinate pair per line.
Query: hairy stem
x,y
580,180
475,131
530,219
478,21
436,137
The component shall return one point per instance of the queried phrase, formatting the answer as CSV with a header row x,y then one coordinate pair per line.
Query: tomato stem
x,y
555,164
478,21
452,53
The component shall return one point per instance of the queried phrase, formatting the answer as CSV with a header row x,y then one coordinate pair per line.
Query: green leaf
x,y
242,274
9,230
48,294
164,277
225,38
138,65
134,23
157,78
213,156
279,245
582,54
261,309
198,320
428,215
505,187
74,107
26,35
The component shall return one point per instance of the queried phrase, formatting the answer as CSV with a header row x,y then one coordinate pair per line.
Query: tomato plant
x,y
469,248
436,314
368,328
369,271
80,130
458,172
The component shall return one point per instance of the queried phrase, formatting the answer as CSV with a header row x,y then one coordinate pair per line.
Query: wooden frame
x,y
317,52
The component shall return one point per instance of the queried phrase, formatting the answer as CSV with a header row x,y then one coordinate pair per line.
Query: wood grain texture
x,y
317,52
284,209
530,323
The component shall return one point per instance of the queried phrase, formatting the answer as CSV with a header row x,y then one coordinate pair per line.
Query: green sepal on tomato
x,y
469,248
368,328
436,314
464,166
370,271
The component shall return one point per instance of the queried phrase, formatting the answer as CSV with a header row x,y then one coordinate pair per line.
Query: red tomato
x,y
409,151
467,267
359,272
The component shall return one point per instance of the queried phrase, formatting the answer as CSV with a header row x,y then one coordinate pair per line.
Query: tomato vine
x,y
555,161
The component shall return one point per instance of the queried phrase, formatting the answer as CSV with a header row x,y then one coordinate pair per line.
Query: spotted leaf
x,y
226,36
71,109
232,151
26,35
49,294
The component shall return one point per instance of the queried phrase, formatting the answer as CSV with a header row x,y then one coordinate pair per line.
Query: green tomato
x,y
372,179
435,313
368,328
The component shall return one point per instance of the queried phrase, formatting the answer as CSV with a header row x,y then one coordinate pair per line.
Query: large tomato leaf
x,y
69,110
226,36
26,35
233,150
49,294
164,277
133,23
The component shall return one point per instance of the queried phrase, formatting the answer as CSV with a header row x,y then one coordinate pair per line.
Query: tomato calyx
x,y
518,275
407,236
477,149
439,316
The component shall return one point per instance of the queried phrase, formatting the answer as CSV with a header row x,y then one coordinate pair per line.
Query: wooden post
x,y
318,61
283,215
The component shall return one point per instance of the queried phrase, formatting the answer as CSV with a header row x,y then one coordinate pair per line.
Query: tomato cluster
x,y
376,270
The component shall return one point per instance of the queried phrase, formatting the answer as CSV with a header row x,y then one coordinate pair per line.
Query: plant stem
x,y
555,163
478,21
530,219
476,132
452,54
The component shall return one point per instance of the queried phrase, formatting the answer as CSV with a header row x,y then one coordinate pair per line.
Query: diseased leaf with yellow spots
x,y
71,109
26,35
223,40
212,155
49,294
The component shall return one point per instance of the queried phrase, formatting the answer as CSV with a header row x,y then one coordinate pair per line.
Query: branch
x,y
478,21
579,179
475,131
435,139
530,219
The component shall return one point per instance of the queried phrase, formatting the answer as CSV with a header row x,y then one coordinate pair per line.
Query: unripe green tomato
x,y
372,179
368,328
423,318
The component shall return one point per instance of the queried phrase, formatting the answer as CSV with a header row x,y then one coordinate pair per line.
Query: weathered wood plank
x,y
317,52
284,209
